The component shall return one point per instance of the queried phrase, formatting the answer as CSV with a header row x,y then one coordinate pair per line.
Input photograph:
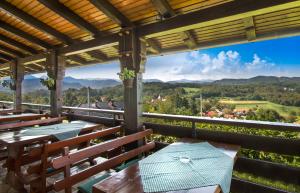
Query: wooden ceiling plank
x,y
113,13
11,51
27,18
69,15
166,11
24,35
17,44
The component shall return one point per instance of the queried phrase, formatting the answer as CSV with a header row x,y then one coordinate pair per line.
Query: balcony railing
x,y
171,126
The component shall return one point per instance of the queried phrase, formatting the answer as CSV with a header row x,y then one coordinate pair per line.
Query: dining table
x,y
7,111
6,118
17,142
130,179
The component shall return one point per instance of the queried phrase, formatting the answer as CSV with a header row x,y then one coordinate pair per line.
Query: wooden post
x,y
133,57
55,67
17,77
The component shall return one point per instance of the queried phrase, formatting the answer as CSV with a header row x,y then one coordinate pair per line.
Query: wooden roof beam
x,y
250,28
154,46
24,35
69,15
166,11
17,44
11,51
78,59
6,57
163,8
113,13
23,16
98,55
38,66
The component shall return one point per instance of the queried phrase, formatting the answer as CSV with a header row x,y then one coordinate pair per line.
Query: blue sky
x,y
280,57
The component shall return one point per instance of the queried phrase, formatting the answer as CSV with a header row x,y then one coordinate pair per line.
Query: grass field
x,y
246,105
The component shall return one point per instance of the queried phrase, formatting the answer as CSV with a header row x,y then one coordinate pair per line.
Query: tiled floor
x,y
5,188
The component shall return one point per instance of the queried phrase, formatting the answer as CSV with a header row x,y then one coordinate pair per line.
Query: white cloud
x,y
197,65
194,65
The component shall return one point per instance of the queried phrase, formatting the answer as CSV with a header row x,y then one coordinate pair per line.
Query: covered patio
x,y
52,35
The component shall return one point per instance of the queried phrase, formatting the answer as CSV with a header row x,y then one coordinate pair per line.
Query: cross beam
x,y
13,10
166,11
250,28
229,11
69,15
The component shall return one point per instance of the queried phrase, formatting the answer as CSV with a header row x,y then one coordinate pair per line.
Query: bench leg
x,y
14,168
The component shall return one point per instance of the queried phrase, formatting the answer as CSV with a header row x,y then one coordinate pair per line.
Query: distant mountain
x,y
259,80
32,83
152,80
190,81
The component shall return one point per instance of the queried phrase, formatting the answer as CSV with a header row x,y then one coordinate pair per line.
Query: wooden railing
x,y
262,168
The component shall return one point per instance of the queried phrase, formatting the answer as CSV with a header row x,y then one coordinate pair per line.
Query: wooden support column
x,y
55,67
132,50
17,77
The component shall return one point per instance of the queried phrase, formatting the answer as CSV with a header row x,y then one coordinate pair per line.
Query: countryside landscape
x,y
266,98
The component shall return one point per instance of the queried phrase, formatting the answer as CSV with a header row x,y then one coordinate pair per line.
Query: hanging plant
x,y
127,76
48,82
9,84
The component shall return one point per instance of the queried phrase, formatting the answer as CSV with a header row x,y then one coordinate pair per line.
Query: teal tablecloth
x,y
60,131
166,171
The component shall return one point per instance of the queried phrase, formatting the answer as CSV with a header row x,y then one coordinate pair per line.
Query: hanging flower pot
x,y
48,82
127,76
128,83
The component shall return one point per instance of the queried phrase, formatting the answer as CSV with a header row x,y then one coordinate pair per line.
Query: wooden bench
x,y
38,173
67,160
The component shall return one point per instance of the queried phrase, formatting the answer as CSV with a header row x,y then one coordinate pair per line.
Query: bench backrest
x,y
68,159
61,147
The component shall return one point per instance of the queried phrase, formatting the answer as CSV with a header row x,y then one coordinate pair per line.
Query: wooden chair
x,y
67,160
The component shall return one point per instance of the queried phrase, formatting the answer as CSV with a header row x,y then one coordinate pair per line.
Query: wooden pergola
x,y
51,35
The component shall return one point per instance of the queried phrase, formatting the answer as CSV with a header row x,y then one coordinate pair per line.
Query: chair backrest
x,y
40,170
12,126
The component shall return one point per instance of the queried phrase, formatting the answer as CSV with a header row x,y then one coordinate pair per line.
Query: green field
x,y
246,105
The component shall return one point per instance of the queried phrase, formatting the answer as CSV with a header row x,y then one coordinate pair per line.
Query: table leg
x,y
14,168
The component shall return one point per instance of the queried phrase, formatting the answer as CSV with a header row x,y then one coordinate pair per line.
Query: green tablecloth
x,y
60,131
165,170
